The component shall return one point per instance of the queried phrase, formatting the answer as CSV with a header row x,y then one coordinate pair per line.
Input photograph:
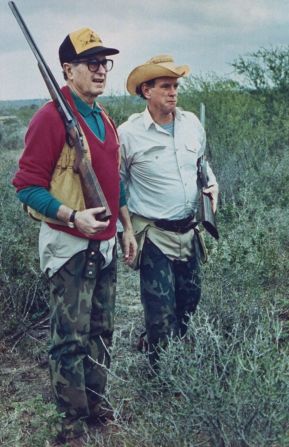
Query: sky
x,y
208,35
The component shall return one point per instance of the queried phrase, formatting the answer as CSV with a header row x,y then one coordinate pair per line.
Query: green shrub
x,y
121,107
229,387
23,290
11,135
31,423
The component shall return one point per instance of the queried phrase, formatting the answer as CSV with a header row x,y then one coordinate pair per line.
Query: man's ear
x,y
67,69
146,90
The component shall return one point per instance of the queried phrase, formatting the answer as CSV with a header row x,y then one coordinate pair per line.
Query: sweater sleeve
x,y
40,200
44,142
122,197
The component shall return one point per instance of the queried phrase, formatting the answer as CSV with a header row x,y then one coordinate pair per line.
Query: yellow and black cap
x,y
81,44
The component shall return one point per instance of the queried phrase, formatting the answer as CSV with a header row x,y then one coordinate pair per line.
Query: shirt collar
x,y
84,108
148,121
178,114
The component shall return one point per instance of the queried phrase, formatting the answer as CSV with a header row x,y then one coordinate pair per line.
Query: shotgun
x,y
92,191
207,216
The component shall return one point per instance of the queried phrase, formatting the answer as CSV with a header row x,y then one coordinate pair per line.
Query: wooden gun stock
x,y
92,191
207,216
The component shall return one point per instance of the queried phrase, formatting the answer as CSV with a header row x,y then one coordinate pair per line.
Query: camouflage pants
x,y
82,319
170,292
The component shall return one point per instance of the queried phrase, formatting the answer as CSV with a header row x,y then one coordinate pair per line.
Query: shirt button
x,y
92,253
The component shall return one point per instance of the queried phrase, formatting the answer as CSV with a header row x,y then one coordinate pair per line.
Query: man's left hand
x,y
213,192
129,246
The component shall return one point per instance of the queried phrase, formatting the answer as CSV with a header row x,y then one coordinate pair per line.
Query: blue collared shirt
x,y
91,115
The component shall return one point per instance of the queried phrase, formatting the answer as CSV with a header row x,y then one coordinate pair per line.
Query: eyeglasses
x,y
93,65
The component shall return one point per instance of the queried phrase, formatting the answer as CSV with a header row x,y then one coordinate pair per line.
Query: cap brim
x,y
97,50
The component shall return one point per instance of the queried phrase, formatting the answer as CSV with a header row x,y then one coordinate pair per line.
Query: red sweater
x,y
44,141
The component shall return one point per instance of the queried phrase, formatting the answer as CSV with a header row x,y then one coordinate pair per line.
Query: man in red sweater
x,y
77,250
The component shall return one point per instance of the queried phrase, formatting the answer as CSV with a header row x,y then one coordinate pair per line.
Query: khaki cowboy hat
x,y
156,67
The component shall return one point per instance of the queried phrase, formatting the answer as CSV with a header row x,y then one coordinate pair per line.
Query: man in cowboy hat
x,y
77,249
160,148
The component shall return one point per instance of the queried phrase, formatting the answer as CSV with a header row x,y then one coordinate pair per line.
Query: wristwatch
x,y
71,220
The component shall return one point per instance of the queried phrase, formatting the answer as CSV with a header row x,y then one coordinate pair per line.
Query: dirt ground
x,y
24,370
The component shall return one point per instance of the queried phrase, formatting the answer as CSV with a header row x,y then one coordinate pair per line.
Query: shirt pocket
x,y
149,155
191,153
150,160
193,147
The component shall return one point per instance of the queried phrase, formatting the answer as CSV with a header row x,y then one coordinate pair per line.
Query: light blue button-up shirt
x,y
160,170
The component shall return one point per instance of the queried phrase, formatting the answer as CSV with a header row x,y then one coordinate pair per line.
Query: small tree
x,y
265,69
11,135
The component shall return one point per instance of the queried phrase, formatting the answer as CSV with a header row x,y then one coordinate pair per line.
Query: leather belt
x,y
178,226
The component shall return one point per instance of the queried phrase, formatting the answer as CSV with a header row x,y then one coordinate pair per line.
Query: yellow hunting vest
x,y
65,183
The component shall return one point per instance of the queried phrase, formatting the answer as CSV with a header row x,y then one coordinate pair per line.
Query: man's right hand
x,y
86,221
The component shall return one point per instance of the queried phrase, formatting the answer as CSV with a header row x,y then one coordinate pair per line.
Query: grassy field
x,y
231,387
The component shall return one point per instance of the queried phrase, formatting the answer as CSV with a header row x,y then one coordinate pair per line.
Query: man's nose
x,y
173,91
101,69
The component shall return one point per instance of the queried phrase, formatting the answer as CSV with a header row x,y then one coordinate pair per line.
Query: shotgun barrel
x,y
92,191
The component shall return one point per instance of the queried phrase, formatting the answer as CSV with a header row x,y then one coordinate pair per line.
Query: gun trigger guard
x,y
70,140
76,165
